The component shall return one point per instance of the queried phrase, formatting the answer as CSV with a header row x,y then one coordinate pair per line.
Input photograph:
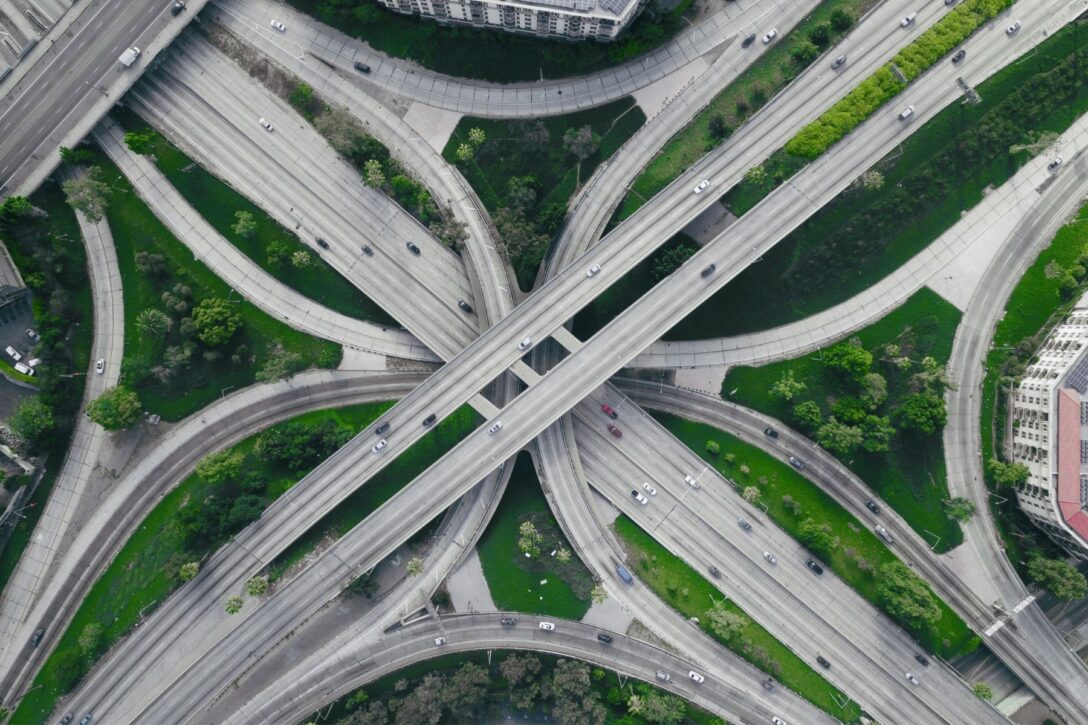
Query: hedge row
x,y
876,90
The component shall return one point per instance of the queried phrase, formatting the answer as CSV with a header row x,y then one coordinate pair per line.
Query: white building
x,y
1050,434
569,19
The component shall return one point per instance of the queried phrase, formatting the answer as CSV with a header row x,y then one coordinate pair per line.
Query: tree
x,y
233,605
139,143
465,153
724,623
872,179
983,691
820,34
906,596
476,136
257,586
301,259
115,409
76,156
877,433
1058,576
14,208
841,20
215,468
573,698
787,387
669,259
808,415
521,191
188,571
467,686
154,323
90,639
817,536
852,360
529,539
415,566
563,556
150,265
580,143
373,174
525,245
88,194
718,128
33,421
341,129
839,437
804,53
280,364
713,448
450,231
876,389
923,412
959,509
520,672
1009,474
756,175
657,707
751,494
299,446
598,595
244,225
216,321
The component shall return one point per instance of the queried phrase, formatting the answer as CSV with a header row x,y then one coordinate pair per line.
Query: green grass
x,y
144,572
381,487
217,203
860,553
911,477
15,374
686,591
135,228
513,580
492,55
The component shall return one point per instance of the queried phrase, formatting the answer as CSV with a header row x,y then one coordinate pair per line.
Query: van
x,y
13,353
20,368
624,574
906,113
883,533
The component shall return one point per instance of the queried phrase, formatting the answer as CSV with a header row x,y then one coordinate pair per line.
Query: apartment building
x,y
601,20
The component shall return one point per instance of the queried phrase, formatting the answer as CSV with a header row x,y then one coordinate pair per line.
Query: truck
x,y
129,56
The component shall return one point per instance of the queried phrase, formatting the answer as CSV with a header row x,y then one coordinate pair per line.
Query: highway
x,y
595,361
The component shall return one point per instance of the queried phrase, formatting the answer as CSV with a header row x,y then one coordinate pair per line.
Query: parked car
x,y
1054,164
871,505
701,186
465,307
508,621
748,40
639,497
24,369
547,626
797,463
770,557
278,25
379,446
959,55
649,489
823,662
429,420
616,432
607,410
13,353
696,677
906,22
602,637
838,62
265,124
814,566
593,270
770,432
771,35
361,67
33,335
1011,30
413,248
743,523
495,428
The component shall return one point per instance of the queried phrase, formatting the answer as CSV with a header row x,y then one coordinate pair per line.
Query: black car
x,y
715,573
922,660
770,432
871,505
708,270
36,637
602,637
816,568
508,621
748,41
412,248
361,67
383,427
959,55
465,307
322,243
177,7
823,662
367,250
768,684
429,420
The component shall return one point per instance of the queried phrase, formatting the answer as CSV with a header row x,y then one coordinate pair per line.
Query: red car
x,y
607,410
615,431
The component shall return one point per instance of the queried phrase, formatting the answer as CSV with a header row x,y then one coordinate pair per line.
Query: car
x,y
33,335
906,22
525,344
701,186
771,35
66,719
768,684
361,67
748,40
814,566
593,270
439,641
24,369
708,270
13,353
639,497
871,505
691,482
465,307
616,432
547,626
743,523
906,113
278,25
838,62
322,243
950,2
367,250
379,446
36,637
34,361
883,533
382,428
508,621
1011,30
714,572
770,557
412,248
797,463
649,489
265,124
177,7
770,432
495,428
778,721
664,676
429,420
1054,164
607,410
911,678
624,574
959,55
86,719
922,660
602,637
100,366
696,677
823,662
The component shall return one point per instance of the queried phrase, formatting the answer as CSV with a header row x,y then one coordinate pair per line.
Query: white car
x,y
524,344
691,482
696,677
439,641
771,35
1011,30
379,446
25,370
912,679
593,270
639,497
100,366
700,186
33,335
13,353
265,124
905,22
278,25
495,428
1054,164
649,489
778,721
906,113
547,626
770,557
